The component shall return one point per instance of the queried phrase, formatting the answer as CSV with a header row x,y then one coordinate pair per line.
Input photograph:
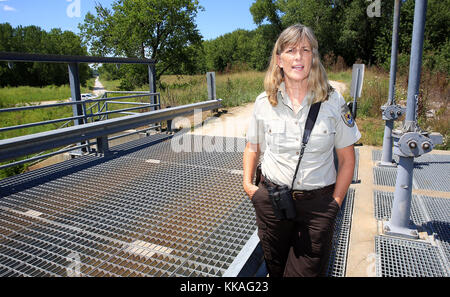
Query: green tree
x,y
161,30
267,10
232,51
436,37
358,33
317,14
320,16
32,39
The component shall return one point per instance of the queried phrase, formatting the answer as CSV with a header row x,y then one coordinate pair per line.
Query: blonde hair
x,y
318,84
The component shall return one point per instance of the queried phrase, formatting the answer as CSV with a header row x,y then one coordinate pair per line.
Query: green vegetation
x,y
234,89
32,39
161,30
19,96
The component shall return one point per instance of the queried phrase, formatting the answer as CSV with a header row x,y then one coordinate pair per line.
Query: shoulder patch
x,y
346,116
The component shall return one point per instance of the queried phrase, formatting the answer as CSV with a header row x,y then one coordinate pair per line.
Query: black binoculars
x,y
282,202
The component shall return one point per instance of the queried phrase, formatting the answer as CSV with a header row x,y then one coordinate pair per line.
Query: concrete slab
x,y
364,226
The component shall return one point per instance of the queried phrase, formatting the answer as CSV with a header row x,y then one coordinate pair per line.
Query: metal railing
x,y
29,144
87,115
91,117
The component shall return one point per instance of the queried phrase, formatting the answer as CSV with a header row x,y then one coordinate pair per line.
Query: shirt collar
x,y
282,94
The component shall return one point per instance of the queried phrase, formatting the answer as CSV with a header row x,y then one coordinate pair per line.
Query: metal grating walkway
x,y
355,173
145,211
430,172
341,237
401,257
406,258
126,216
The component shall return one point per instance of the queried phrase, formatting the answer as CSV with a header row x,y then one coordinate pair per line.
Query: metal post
x,y
211,81
152,84
75,91
356,93
386,158
420,11
400,223
394,52
211,85
152,88
103,145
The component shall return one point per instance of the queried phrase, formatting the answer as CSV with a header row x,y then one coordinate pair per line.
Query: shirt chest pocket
x,y
322,136
276,137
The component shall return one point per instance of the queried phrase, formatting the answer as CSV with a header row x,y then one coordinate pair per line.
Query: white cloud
x,y
8,8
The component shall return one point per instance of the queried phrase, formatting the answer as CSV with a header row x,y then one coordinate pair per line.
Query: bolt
x,y
387,229
426,146
399,113
413,144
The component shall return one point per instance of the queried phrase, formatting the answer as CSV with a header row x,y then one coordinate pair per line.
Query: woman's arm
x,y
346,158
251,158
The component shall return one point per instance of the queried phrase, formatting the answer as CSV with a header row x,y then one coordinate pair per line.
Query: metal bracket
x,y
414,144
410,231
392,112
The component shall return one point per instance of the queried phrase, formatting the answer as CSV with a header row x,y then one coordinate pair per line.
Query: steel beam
x,y
386,158
24,57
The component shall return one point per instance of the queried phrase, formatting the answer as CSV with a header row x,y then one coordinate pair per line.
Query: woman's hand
x,y
251,157
339,200
250,189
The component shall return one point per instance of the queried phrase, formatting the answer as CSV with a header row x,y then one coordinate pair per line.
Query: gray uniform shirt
x,y
279,131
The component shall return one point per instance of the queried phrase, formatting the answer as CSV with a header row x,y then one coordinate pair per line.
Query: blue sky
x,y
218,18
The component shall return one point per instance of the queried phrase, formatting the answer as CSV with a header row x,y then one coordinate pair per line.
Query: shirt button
x,y
296,122
297,153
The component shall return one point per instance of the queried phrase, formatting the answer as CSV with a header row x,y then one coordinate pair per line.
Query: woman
x,y
294,81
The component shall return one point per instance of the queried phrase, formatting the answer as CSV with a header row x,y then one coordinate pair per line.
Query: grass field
x,y
18,96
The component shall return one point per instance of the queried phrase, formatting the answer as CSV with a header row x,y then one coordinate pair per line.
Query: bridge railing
x,y
91,118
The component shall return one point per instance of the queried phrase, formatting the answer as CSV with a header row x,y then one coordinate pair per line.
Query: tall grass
x,y
342,76
234,89
433,96
17,96
374,94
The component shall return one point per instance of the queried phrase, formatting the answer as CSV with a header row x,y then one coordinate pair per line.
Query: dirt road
x,y
99,90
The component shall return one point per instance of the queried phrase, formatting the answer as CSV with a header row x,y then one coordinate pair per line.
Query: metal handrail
x,y
21,108
9,128
24,145
25,57
82,113
83,103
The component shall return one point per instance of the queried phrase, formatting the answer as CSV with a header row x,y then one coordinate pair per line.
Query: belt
x,y
309,194
302,194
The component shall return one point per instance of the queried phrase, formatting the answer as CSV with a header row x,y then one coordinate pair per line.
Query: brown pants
x,y
299,247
